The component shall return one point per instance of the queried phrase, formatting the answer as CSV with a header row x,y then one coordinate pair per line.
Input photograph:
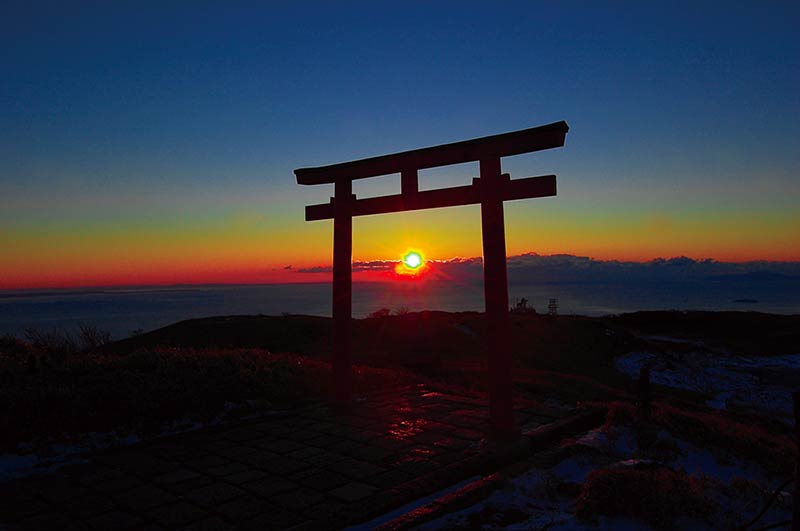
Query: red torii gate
x,y
489,190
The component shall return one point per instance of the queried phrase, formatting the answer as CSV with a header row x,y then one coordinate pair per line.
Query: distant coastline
x,y
121,310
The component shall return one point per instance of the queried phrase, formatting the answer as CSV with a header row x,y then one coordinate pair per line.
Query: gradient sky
x,y
154,142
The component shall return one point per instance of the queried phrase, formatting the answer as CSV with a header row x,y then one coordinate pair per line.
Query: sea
x,y
125,311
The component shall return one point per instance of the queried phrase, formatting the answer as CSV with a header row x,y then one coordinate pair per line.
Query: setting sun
x,y
412,260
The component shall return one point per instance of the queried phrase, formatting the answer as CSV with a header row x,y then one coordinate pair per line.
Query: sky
x,y
154,142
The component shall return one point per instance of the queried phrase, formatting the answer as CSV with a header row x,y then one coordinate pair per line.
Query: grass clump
x,y
659,496
145,390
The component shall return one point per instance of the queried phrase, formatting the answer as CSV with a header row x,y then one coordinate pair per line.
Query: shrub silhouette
x,y
657,495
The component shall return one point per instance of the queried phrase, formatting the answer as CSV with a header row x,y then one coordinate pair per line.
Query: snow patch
x,y
728,379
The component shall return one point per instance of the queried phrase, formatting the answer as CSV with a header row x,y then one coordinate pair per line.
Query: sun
x,y
413,260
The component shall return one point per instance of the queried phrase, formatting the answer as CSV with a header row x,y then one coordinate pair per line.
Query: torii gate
x,y
489,190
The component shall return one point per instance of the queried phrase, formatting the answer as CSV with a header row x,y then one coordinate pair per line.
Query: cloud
x,y
535,268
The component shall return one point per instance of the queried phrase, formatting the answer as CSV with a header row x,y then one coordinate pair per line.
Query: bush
x,y
147,389
12,344
714,429
659,496
92,336
56,343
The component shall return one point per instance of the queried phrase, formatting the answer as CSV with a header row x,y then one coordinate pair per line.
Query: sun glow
x,y
411,266
412,260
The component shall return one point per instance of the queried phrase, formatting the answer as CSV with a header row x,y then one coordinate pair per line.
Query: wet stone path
x,y
310,468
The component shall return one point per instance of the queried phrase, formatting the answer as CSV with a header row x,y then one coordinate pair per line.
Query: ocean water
x,y
121,311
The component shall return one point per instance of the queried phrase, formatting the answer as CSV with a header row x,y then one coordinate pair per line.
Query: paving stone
x,y
242,508
427,438
214,442
391,444
177,476
355,469
447,458
281,429
323,480
285,466
192,454
94,473
299,434
380,502
304,453
176,514
280,446
213,494
297,476
390,478
237,451
226,470
353,491
363,435
61,491
311,525
264,426
114,520
269,486
168,450
348,448
259,460
187,486
50,521
212,523
323,440
145,497
245,477
119,483
145,465
454,444
88,506
328,510
373,454
242,435
298,499
208,461
323,458
273,518
13,510
417,466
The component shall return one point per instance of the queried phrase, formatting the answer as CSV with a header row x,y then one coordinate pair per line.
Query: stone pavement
x,y
310,468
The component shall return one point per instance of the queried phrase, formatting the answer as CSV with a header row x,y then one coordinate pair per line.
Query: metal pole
x,y
342,291
495,277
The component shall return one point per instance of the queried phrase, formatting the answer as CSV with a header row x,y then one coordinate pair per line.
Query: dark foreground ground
x,y
274,455
309,467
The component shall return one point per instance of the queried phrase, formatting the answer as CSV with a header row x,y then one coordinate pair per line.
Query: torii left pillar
x,y
342,291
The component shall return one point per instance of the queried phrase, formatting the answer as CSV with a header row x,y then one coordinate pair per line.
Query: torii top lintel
x,y
502,145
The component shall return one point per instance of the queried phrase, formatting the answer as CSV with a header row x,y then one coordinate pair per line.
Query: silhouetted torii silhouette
x,y
489,190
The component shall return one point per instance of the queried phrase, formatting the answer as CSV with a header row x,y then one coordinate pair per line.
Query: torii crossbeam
x,y
489,190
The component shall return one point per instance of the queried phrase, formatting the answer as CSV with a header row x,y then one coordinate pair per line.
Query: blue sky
x,y
132,114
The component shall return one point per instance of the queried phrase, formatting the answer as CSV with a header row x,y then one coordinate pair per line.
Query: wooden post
x,y
643,404
495,277
409,182
796,499
342,290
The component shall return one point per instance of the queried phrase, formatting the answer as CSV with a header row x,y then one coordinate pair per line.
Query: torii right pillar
x,y
502,424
